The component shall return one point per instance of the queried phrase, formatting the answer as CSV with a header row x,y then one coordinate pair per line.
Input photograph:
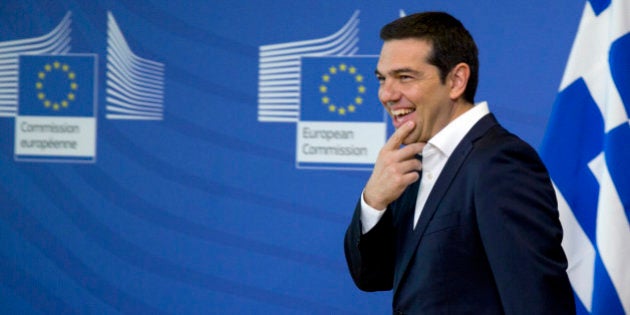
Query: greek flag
x,y
587,151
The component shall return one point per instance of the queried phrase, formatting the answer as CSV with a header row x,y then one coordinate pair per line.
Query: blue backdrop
x,y
191,200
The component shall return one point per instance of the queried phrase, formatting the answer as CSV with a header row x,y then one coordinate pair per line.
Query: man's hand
x,y
395,169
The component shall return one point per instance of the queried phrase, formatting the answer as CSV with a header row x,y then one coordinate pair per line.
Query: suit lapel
x,y
453,165
407,208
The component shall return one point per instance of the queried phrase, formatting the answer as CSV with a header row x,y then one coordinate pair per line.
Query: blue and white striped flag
x,y
587,151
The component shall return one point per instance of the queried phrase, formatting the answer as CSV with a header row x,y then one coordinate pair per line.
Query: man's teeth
x,y
401,112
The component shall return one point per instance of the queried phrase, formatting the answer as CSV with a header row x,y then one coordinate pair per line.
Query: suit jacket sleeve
x,y
521,232
370,256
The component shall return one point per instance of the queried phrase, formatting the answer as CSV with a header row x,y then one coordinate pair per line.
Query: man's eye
x,y
380,79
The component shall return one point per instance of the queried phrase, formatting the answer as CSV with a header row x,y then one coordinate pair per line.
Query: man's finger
x,y
409,166
396,140
410,151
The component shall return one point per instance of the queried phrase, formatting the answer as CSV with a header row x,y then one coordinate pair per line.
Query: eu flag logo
x,y
57,85
339,89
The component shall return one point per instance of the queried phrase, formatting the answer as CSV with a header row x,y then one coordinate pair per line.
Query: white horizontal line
x,y
278,100
277,119
278,113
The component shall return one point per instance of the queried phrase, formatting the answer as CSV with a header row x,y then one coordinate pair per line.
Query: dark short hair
x,y
452,43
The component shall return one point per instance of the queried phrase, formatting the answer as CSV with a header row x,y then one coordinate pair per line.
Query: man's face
x,y
411,90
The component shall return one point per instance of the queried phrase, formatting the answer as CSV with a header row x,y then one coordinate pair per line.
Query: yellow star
x,y
332,70
352,70
71,96
41,75
358,100
351,108
41,96
48,67
56,64
71,75
56,106
65,68
64,103
323,89
325,78
39,85
359,78
332,108
343,67
342,111
325,100
74,85
361,89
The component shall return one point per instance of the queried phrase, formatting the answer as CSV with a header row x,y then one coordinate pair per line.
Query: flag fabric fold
x,y
587,149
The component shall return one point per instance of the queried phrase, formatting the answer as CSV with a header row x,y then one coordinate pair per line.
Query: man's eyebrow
x,y
398,71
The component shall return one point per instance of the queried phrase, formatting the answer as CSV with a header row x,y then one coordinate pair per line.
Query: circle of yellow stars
x,y
327,78
72,87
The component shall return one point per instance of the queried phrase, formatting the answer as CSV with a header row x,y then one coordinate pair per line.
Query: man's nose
x,y
388,93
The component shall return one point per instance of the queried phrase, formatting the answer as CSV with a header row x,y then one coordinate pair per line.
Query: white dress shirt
x,y
434,157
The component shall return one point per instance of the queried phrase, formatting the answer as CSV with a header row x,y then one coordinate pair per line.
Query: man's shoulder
x,y
497,137
498,145
489,134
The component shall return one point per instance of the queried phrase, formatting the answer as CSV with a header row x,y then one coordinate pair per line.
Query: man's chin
x,y
410,140
414,139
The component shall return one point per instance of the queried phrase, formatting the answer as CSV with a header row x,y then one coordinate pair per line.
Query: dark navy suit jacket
x,y
487,241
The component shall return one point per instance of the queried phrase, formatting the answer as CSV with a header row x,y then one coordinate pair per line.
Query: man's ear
x,y
458,79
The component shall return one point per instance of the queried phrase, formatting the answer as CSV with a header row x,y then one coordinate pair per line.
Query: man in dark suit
x,y
463,218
